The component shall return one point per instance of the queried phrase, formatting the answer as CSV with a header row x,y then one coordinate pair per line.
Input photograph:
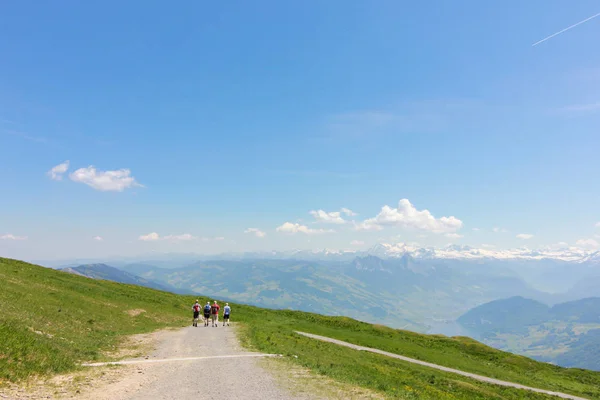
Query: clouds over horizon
x,y
10,236
184,237
334,217
256,232
293,228
588,244
524,236
407,216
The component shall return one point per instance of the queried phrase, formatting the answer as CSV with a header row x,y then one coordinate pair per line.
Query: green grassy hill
x,y
52,320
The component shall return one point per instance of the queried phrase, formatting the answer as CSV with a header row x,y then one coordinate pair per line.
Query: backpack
x,y
196,307
214,309
207,309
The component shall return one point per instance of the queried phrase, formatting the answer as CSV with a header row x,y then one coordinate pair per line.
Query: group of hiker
x,y
211,313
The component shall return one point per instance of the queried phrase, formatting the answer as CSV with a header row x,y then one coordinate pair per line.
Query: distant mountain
x,y
404,292
103,271
588,286
567,334
512,315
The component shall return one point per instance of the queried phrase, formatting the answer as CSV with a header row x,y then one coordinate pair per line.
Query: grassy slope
x,y
93,317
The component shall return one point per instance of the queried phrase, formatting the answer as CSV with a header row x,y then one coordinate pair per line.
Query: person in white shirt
x,y
226,314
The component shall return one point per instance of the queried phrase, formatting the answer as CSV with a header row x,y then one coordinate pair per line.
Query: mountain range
x,y
106,272
415,293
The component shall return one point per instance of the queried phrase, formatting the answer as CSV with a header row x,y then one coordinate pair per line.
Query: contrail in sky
x,y
566,29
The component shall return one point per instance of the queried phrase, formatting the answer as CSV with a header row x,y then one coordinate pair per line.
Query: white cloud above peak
x,y
333,217
292,228
183,236
150,237
57,172
407,216
357,243
98,238
10,236
256,232
454,236
524,236
588,244
351,213
106,181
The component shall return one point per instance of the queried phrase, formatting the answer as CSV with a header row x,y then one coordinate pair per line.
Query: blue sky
x,y
236,115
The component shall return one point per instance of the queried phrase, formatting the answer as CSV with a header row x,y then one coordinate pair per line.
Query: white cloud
x,y
524,236
589,244
105,181
488,246
10,236
56,173
368,225
348,212
292,228
498,230
150,237
559,246
454,235
98,238
256,232
333,217
476,229
407,216
357,243
183,236
597,224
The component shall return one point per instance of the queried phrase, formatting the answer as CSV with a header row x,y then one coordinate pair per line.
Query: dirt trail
x,y
440,367
194,363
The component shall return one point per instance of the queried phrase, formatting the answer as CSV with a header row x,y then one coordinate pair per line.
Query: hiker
x,y
206,313
214,311
196,310
226,312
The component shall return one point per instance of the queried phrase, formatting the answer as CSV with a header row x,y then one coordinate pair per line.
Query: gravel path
x,y
195,363
441,368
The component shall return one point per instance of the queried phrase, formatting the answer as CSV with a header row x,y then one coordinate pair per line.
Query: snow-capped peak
x,y
467,252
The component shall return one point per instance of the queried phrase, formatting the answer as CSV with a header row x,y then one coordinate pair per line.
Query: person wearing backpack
x,y
214,312
226,313
196,310
206,313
